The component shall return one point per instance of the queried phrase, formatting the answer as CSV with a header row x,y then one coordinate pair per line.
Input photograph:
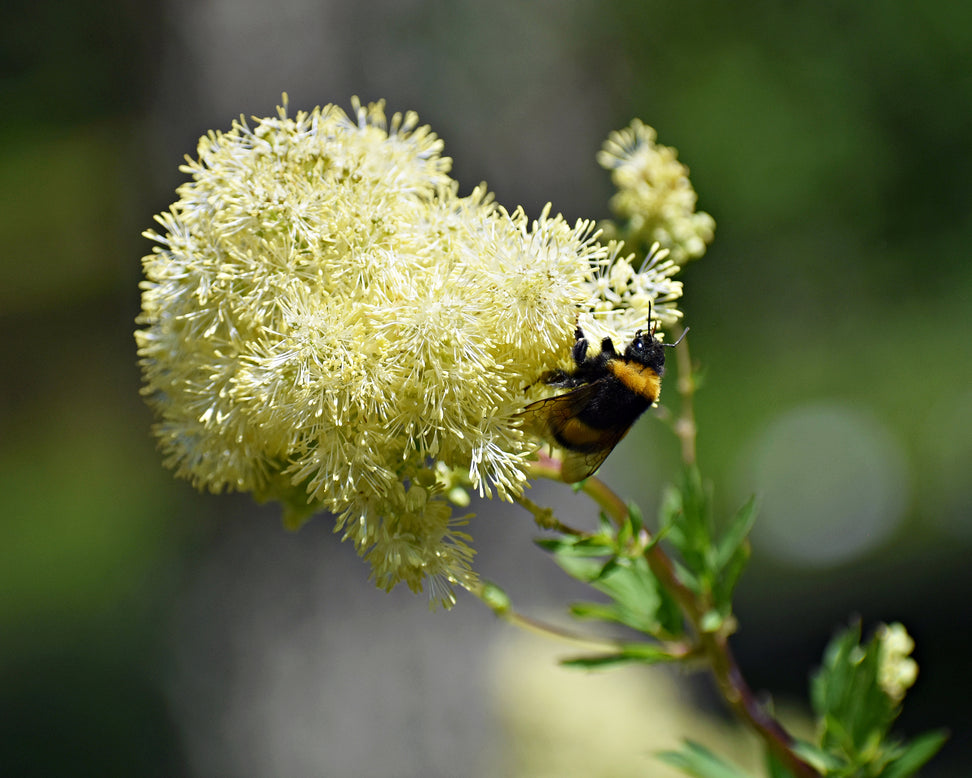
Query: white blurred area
x,y
289,663
561,722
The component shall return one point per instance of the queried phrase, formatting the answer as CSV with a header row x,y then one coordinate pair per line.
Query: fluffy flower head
x,y
327,323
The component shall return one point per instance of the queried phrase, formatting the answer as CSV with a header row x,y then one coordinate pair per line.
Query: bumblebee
x,y
608,392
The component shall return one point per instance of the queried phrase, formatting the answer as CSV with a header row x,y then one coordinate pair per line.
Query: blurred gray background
x,y
149,630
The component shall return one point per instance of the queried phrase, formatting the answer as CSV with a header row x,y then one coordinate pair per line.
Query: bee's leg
x,y
551,378
607,348
561,377
579,351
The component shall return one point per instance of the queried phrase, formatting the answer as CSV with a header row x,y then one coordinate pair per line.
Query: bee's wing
x,y
550,418
578,465
584,448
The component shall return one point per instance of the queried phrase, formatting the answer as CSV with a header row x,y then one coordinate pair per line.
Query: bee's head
x,y
647,350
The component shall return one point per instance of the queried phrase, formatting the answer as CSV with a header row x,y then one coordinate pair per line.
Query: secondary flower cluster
x,y
327,323
655,201
897,671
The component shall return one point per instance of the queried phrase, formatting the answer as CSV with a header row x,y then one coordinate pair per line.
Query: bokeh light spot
x,y
832,483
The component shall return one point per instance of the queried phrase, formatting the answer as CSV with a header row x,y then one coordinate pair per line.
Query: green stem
x,y
505,611
685,427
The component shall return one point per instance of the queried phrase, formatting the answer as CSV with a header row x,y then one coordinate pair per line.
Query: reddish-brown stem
x,y
715,645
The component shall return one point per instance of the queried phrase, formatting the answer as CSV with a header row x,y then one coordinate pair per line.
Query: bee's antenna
x,y
684,333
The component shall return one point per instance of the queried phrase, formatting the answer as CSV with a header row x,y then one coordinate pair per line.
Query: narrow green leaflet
x,y
635,518
698,761
642,653
708,565
731,555
687,516
915,755
730,575
563,546
734,539
821,761
637,599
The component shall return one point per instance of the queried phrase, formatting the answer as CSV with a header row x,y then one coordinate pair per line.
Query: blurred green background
x,y
148,630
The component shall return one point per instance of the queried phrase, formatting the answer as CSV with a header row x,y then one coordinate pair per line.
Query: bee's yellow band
x,y
640,379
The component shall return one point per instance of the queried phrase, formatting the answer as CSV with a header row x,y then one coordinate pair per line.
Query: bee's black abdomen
x,y
613,405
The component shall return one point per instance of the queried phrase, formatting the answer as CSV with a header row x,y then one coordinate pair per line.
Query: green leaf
x,y
638,600
731,573
830,684
687,577
817,758
775,768
583,568
642,653
636,593
916,754
634,515
669,509
568,545
696,512
736,534
601,611
698,761
710,567
686,517
614,566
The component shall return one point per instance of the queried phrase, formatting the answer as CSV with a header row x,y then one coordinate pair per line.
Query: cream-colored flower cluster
x,y
897,671
655,201
327,323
